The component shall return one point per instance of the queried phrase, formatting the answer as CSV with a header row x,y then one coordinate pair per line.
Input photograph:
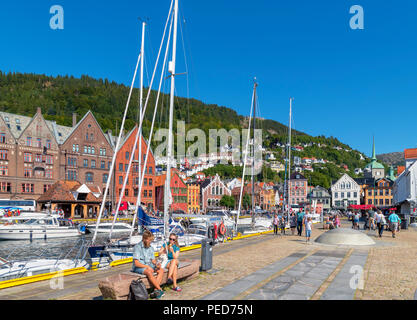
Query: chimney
x,y
74,119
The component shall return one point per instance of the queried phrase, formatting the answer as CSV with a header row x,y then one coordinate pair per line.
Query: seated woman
x,y
172,250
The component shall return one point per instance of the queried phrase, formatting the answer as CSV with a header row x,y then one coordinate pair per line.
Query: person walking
x,y
394,220
282,224
380,222
308,224
293,223
356,221
300,220
337,221
275,223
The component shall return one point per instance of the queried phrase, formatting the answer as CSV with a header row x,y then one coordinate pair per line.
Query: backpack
x,y
137,291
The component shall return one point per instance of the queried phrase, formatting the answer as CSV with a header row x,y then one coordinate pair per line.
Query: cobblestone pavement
x,y
277,267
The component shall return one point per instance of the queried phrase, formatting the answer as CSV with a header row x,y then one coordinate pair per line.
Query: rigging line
x,y
244,163
186,71
138,201
140,124
114,155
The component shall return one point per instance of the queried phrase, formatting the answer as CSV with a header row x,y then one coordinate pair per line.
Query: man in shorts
x,y
144,262
394,220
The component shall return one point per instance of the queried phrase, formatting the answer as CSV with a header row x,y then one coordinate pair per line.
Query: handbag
x,y
137,291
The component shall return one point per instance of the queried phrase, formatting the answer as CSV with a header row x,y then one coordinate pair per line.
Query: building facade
x,y
297,189
178,197
345,192
132,184
212,191
193,197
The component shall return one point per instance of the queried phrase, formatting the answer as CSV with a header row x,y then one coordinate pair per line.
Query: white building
x,y
345,192
405,186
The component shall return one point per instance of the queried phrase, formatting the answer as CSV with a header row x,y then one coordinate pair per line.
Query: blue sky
x,y
351,84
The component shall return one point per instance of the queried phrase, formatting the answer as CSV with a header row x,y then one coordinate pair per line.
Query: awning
x,y
361,206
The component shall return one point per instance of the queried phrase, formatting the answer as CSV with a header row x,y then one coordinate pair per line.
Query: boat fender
x,y
222,229
215,231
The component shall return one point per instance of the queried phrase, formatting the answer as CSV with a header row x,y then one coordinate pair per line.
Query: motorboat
x,y
44,227
118,227
19,269
25,216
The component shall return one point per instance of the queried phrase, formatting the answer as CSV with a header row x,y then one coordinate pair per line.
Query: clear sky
x,y
351,84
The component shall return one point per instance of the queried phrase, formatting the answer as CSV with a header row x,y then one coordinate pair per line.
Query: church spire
x,y
373,150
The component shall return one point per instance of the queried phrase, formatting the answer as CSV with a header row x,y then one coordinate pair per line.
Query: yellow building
x,y
380,195
193,197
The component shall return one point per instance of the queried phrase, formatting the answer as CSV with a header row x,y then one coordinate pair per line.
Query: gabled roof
x,y
64,191
297,176
410,153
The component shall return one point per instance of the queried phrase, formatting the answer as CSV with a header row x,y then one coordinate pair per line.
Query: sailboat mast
x,y
167,188
142,50
289,159
253,149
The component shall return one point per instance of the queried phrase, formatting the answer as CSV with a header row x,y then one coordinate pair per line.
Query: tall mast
x,y
253,149
142,53
171,68
289,158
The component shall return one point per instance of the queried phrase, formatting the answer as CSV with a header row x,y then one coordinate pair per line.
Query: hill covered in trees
x,y
61,96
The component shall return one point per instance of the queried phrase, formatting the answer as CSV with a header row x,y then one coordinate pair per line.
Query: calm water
x,y
50,248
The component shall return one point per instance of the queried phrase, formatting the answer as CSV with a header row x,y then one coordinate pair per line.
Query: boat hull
x,y
22,234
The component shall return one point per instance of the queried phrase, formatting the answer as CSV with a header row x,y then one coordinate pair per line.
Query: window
x,y
91,137
387,202
348,194
126,166
85,149
126,192
120,179
48,144
145,181
5,187
336,195
387,192
73,148
89,149
381,201
150,193
103,165
39,142
72,175
48,173
381,192
342,195
105,177
3,154
150,170
85,163
93,150
135,192
86,136
369,192
120,167
28,141
2,137
355,194
150,182
369,201
38,158
72,162
46,187
27,173
93,163
89,177
27,157
127,155
136,181
103,152
3,171
27,187
108,165
49,159
145,193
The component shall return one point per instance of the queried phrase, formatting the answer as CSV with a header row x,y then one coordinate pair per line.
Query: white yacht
x,y
39,228
106,227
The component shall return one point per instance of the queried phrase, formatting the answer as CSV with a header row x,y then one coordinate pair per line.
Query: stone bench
x,y
116,287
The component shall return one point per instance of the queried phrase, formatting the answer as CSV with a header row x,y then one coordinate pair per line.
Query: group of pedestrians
x,y
296,220
375,220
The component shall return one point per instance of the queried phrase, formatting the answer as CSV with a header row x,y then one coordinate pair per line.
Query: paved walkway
x,y
299,277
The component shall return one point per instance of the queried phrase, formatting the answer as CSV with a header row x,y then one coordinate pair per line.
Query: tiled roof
x,y
63,191
400,169
410,153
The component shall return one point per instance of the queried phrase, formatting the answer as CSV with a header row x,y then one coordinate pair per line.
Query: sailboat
x,y
123,248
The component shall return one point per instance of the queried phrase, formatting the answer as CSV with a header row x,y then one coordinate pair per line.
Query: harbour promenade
x,y
273,267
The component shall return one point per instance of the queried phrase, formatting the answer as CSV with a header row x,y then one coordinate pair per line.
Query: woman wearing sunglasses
x,y
172,250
